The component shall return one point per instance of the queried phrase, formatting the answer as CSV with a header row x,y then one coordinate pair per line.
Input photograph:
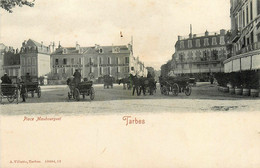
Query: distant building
x,y
11,62
96,61
166,68
200,55
35,58
244,41
2,50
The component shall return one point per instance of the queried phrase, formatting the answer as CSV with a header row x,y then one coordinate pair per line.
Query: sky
x,y
154,25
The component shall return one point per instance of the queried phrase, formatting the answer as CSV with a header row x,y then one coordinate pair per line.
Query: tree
x,y
10,4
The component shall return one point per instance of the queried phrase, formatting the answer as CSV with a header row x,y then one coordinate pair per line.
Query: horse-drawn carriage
x,y
108,81
175,85
9,91
83,88
32,86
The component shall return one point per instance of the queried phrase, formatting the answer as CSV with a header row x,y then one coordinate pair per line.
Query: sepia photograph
x,y
129,83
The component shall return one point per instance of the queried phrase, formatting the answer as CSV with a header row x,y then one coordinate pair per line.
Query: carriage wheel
x,y
165,90
187,90
39,92
76,94
10,99
92,93
175,89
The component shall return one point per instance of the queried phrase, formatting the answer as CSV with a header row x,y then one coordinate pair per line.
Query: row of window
x,y
206,42
31,70
28,61
100,70
64,61
12,72
246,15
198,66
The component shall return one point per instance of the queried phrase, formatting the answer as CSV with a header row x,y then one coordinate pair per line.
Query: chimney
x,y
179,38
206,33
77,46
41,44
222,32
53,46
190,31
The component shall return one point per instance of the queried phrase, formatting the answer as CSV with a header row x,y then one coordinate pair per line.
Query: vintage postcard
x,y
129,83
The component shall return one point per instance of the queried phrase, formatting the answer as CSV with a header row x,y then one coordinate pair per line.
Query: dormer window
x,y
100,50
214,41
64,51
222,40
206,42
189,43
198,43
182,44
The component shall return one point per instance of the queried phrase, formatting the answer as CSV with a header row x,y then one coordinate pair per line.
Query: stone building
x,y
11,62
200,55
2,50
244,41
95,61
35,58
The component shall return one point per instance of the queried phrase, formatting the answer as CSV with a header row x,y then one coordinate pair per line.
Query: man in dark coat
x,y
28,77
5,79
23,91
77,77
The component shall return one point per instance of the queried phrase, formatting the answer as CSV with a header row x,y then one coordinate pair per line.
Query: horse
x,y
147,84
126,83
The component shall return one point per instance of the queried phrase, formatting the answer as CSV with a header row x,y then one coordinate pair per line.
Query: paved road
x,y
204,97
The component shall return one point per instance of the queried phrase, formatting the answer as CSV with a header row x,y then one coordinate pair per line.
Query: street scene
x,y
129,83
204,97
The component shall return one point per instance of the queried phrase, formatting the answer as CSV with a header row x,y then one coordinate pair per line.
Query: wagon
x,y
83,88
175,85
108,81
9,91
32,87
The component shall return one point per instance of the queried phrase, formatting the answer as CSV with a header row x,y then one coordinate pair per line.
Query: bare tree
x,y
10,4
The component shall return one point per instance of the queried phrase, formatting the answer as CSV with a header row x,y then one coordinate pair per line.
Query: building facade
x,y
35,58
11,62
2,50
200,55
96,61
244,41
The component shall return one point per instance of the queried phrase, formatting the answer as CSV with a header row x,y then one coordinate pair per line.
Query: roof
x,y
92,50
31,42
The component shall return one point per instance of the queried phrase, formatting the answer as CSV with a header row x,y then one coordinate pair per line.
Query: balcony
x,y
248,48
235,35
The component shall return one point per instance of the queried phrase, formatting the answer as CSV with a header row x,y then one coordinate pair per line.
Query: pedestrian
x,y
5,79
28,77
77,77
23,91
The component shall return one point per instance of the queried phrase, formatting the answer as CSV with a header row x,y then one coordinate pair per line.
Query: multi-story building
x,y
35,58
2,50
244,41
200,55
96,61
11,62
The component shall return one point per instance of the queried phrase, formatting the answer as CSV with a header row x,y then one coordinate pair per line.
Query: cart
x,y
83,88
9,91
32,87
175,85
108,81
